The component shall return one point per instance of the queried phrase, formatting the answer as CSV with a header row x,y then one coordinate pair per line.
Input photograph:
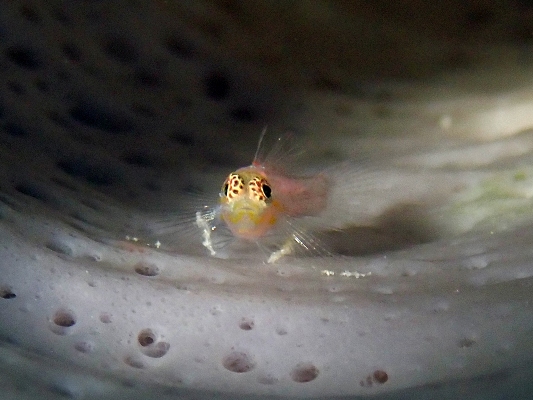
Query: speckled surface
x,y
116,117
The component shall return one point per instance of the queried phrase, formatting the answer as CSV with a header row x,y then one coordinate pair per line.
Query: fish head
x,y
248,207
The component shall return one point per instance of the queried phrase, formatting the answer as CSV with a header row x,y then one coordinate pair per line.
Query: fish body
x,y
254,199
265,200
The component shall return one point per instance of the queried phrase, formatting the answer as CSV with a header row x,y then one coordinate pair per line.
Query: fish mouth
x,y
243,214
247,212
246,207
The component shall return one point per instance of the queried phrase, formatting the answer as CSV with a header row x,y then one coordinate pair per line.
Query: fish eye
x,y
267,191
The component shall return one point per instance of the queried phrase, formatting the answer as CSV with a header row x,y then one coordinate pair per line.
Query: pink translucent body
x,y
300,196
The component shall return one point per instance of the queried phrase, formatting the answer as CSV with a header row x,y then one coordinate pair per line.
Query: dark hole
x,y
466,343
84,347
212,29
246,324
232,7
63,75
380,376
148,78
523,33
492,378
525,3
179,47
23,57
59,119
64,184
146,338
14,129
7,293
147,269
478,18
72,52
64,318
152,186
238,362
217,86
139,159
106,318
304,372
243,114
61,392
81,169
60,16
121,50
32,191
29,14
16,88
323,82
143,111
184,138
100,118
60,247
42,86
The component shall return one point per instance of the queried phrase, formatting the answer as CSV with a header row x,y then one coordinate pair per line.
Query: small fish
x,y
262,198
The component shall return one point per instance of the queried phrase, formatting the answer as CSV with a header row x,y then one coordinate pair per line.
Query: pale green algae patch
x,y
499,202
